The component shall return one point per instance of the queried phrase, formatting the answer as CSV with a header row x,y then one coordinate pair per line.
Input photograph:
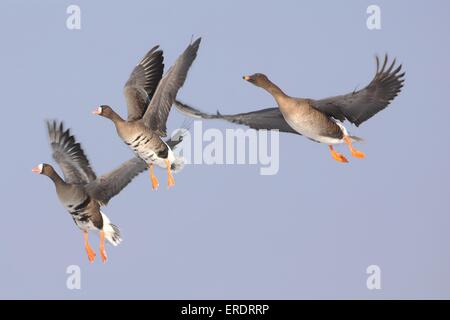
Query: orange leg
x,y
170,180
90,252
355,153
155,183
102,246
336,155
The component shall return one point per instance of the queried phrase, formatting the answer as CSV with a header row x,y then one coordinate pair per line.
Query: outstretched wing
x,y
109,185
158,111
69,155
268,119
143,82
361,105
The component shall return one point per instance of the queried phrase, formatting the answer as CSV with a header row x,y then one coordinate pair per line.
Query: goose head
x,y
107,112
104,111
258,79
44,169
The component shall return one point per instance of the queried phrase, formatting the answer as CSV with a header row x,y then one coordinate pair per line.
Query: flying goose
x,y
81,192
317,119
149,97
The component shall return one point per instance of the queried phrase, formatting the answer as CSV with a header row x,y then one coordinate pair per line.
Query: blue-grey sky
x,y
226,231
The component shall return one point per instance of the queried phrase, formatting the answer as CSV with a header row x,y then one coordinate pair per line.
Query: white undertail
x,y
177,164
112,232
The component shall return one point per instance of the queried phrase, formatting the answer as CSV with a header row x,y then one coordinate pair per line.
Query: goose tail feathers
x,y
112,232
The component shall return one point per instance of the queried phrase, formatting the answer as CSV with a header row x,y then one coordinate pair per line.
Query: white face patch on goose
x,y
38,169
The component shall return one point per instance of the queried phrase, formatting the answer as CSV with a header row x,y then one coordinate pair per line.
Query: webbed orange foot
x,y
155,183
170,179
337,156
103,255
358,154
102,246
91,254
355,153
89,251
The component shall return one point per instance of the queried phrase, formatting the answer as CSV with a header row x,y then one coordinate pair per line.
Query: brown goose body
x,y
81,192
318,119
145,143
303,118
307,121
84,210
149,97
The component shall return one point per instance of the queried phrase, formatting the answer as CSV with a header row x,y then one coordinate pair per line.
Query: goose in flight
x,y
81,192
318,120
149,97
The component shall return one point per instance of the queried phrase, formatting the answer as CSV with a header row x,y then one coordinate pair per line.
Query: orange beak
x,y
246,78
36,170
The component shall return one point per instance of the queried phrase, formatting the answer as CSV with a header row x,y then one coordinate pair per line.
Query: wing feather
x,y
361,105
268,119
109,185
158,111
69,155
142,83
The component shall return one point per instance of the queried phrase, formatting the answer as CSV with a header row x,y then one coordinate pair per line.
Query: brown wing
x,y
143,82
69,155
361,105
109,185
269,119
158,111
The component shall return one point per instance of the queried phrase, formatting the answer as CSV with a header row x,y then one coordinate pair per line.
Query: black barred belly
x,y
80,215
141,147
